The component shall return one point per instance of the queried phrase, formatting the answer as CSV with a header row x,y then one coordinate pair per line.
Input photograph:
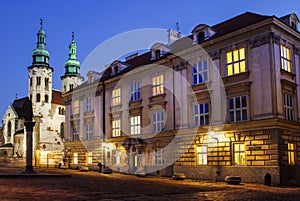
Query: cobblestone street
x,y
94,186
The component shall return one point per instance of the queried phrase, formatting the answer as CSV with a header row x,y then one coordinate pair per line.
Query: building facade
x,y
48,110
221,101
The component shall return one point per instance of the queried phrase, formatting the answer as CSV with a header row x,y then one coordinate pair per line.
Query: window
x,y
71,87
239,154
200,37
135,91
200,72
38,80
135,125
31,81
88,131
116,156
46,82
116,128
75,105
291,154
75,133
62,130
157,54
158,121
9,129
116,97
88,104
289,107
75,158
46,98
202,155
201,114
159,157
236,62
238,109
285,57
157,85
89,158
38,97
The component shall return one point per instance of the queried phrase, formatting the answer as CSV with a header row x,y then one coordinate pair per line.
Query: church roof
x,y
57,98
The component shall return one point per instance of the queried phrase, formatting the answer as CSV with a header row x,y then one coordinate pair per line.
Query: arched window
x,y
59,110
46,98
38,97
9,129
62,130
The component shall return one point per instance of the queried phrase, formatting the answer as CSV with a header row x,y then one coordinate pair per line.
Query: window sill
x,y
287,74
157,98
135,103
236,77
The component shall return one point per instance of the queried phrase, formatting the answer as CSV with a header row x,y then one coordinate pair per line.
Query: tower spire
x,y
72,65
40,55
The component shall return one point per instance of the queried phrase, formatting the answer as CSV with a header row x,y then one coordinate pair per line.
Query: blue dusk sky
x,y
95,21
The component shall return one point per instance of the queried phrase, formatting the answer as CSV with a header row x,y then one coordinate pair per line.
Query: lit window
x,y
159,157
135,91
116,156
238,109
285,55
89,158
88,104
116,128
202,155
75,158
289,107
239,154
291,154
236,62
116,97
200,72
135,125
157,85
88,131
75,106
201,114
158,121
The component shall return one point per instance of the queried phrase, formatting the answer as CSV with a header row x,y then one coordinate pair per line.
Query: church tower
x,y
40,77
72,77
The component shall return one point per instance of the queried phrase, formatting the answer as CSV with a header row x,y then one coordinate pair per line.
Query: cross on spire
x,y
72,35
41,22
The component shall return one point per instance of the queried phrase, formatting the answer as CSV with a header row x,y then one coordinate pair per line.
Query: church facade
x,y
48,110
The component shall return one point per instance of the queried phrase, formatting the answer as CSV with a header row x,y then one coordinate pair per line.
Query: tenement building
x,y
48,110
221,101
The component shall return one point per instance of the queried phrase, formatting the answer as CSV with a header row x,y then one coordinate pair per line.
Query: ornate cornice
x,y
260,40
180,66
215,54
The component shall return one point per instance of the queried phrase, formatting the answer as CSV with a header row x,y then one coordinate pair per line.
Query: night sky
x,y
94,22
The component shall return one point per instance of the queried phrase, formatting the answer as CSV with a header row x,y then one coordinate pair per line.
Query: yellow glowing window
x,y
116,97
291,154
116,128
157,85
202,155
235,61
239,156
285,55
75,158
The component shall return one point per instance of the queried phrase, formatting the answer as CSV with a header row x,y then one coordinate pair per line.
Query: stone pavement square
x,y
97,186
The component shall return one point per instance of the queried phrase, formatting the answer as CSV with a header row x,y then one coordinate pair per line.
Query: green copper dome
x,y
40,55
72,65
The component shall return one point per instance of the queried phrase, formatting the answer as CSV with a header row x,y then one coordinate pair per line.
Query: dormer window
x,y
116,68
157,54
201,33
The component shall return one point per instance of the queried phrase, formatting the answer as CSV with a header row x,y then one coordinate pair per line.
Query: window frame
x,y
158,84
198,71
135,91
156,124
286,58
159,157
235,110
116,129
89,131
202,153
88,104
135,125
239,152
116,97
205,115
75,107
291,152
237,63
289,107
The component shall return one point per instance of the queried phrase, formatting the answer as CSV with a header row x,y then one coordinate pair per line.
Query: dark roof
x,y
238,22
21,107
57,98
